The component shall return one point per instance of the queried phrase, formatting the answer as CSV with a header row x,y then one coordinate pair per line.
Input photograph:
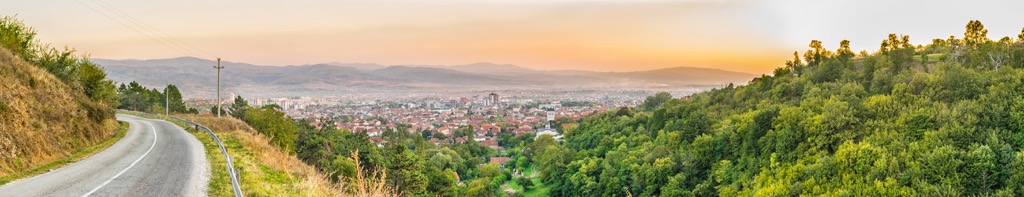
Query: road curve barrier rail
x,y
232,172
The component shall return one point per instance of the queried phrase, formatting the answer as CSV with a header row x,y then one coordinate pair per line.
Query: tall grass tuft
x,y
373,185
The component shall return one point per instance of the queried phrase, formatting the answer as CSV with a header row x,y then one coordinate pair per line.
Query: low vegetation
x,y
77,156
53,103
265,170
372,184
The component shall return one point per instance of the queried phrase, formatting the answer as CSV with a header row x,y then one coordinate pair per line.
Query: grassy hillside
x,y
265,170
42,119
52,102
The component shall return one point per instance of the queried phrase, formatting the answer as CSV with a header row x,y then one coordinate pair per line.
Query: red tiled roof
x,y
500,160
489,142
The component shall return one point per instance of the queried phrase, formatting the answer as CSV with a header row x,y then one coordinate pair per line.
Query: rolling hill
x,y
199,78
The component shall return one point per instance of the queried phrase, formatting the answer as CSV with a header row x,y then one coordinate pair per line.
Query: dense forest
x,y
942,119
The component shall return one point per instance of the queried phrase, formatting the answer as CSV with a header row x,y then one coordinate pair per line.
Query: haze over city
x,y
735,35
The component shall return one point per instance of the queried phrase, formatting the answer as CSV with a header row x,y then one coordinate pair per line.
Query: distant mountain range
x,y
197,77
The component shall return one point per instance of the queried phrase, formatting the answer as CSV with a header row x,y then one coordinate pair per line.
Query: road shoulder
x,y
71,159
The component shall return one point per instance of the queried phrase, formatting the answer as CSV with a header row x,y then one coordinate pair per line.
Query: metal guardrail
x,y
232,172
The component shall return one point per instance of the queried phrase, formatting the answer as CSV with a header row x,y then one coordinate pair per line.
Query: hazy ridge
x,y
197,75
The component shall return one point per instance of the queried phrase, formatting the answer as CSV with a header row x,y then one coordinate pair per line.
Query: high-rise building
x,y
492,99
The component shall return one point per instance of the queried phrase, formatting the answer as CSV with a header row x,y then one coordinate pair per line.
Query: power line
x,y
133,28
153,37
151,29
138,25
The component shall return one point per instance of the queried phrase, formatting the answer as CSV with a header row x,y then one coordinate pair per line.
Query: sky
x,y
753,36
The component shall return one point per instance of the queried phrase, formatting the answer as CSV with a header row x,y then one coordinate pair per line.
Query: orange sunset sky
x,y
611,35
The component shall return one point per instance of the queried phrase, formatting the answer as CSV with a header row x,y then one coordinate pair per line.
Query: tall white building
x,y
491,100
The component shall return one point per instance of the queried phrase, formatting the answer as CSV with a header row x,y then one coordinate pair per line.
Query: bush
x,y
280,128
18,38
525,182
74,70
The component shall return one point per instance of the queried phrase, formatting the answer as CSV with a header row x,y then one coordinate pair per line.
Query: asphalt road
x,y
155,158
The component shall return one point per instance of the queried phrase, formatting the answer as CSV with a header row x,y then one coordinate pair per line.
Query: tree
x,y
981,166
426,134
439,135
976,34
998,53
175,102
18,38
490,170
96,85
238,107
816,54
137,98
406,168
899,51
1015,181
653,102
552,162
825,130
441,182
844,53
480,188
794,65
538,146
131,96
1020,37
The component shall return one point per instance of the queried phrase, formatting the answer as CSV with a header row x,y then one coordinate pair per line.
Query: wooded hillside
x,y
944,119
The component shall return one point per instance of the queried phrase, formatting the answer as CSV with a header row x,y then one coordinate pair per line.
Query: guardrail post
x,y
232,171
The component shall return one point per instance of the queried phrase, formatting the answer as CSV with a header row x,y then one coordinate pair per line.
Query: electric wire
x,y
151,35
145,26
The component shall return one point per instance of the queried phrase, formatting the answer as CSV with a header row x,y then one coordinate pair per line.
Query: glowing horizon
x,y
735,35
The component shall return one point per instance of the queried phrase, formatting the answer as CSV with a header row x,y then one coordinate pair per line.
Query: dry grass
x,y
269,171
78,156
42,120
372,186
264,170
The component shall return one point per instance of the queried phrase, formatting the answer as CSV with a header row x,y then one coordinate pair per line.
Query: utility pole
x,y
218,67
167,101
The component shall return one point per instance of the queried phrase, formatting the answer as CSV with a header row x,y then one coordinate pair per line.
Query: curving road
x,y
155,158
